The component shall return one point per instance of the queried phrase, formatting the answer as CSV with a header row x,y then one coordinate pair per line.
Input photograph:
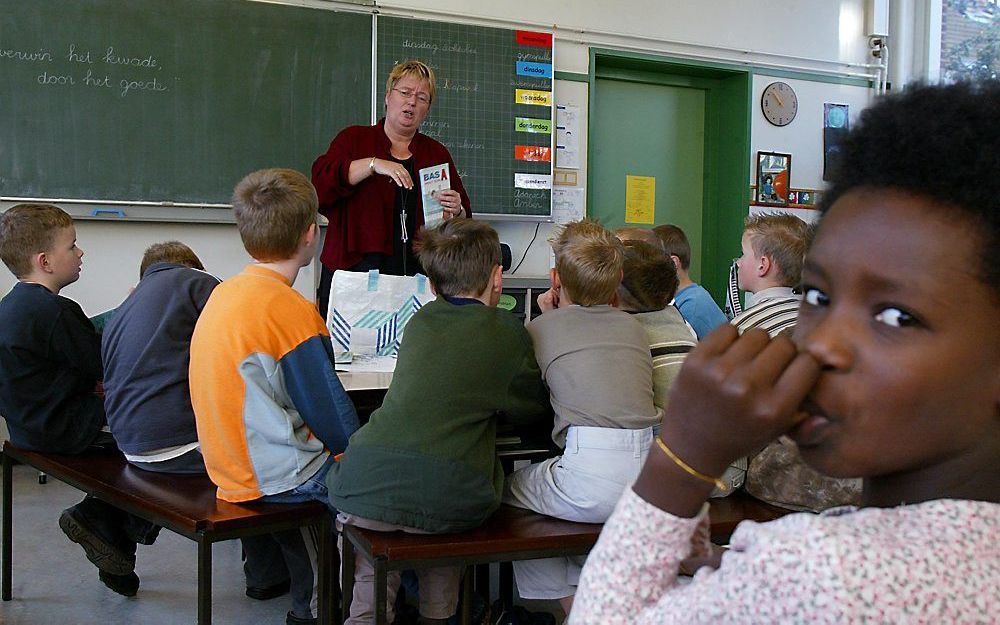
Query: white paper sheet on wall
x,y
568,136
568,204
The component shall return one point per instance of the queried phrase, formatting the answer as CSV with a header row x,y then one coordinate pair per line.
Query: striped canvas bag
x,y
369,311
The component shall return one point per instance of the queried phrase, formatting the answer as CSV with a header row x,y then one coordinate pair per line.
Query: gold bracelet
x,y
722,486
371,166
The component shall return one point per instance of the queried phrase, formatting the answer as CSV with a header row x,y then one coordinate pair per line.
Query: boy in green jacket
x,y
426,461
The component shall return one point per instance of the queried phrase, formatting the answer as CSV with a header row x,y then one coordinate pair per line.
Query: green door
x,y
686,124
642,129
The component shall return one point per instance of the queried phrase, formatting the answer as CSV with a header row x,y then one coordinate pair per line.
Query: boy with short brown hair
x,y
50,367
269,408
695,303
426,461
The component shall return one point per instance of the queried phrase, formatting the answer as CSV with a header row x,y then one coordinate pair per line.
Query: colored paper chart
x,y
534,107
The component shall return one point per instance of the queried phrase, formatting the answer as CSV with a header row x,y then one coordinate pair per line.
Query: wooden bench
x,y
510,534
185,504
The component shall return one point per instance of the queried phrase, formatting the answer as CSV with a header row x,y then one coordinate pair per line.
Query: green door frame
x,y
726,193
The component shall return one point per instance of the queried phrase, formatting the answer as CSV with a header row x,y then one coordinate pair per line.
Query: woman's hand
x,y
451,201
396,172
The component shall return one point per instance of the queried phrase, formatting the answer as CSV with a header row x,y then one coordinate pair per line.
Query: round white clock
x,y
779,103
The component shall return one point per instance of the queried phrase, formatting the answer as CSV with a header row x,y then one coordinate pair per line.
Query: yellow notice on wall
x,y
640,199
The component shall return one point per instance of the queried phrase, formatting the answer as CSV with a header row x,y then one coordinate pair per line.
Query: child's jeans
x,y
300,547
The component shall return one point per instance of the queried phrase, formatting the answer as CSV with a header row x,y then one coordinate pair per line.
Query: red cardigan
x,y
361,216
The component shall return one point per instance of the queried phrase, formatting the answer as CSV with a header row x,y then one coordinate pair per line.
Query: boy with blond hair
x,y
596,362
269,408
774,246
50,366
426,461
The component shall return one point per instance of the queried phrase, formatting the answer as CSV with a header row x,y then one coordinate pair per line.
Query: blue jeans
x,y
313,489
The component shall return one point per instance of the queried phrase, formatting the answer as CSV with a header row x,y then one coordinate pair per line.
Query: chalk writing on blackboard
x,y
97,64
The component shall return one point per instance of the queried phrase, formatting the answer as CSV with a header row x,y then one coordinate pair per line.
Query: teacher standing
x,y
368,187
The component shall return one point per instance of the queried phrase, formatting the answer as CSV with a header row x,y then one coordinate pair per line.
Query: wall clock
x,y
779,103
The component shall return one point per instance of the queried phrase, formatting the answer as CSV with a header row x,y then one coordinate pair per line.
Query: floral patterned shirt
x,y
934,562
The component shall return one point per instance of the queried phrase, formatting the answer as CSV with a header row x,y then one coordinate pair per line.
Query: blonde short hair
x,y
273,209
169,252
459,256
589,261
414,69
29,229
784,239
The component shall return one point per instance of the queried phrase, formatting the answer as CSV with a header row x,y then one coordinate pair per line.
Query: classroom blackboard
x,y
489,111
173,100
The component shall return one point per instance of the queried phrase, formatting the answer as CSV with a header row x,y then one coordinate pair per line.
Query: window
x,y
970,39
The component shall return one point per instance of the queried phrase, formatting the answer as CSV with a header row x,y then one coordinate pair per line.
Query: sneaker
x,y
269,592
291,619
126,585
101,552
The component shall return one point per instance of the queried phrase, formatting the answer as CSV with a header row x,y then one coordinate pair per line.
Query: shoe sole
x,y
102,555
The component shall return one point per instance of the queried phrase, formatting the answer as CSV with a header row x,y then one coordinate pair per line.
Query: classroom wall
x,y
818,36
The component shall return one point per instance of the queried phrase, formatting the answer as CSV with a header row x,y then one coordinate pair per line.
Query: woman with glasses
x,y
368,188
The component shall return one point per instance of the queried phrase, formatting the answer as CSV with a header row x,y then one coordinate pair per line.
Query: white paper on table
x,y
567,204
379,364
568,136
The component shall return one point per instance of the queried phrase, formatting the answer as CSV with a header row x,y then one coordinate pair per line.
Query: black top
x,y
147,350
50,363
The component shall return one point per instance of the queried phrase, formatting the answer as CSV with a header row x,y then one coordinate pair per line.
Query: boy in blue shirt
x,y
695,303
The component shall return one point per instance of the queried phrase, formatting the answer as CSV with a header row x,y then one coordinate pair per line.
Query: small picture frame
x,y
774,173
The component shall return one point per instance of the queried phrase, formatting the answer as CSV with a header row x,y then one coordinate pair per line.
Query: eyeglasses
x,y
423,98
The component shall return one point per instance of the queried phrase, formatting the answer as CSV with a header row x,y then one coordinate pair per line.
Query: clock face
x,y
779,103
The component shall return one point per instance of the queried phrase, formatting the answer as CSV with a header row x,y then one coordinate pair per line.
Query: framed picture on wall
x,y
774,172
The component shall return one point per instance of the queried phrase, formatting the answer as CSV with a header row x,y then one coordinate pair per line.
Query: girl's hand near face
x,y
733,396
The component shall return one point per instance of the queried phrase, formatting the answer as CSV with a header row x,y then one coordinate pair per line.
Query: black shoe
x,y
126,585
101,552
269,592
291,619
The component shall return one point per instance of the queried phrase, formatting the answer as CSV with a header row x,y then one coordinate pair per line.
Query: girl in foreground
x,y
893,375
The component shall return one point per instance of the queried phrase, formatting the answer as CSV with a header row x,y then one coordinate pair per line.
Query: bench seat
x,y
185,504
510,534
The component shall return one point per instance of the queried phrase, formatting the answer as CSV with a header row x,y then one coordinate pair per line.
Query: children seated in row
x,y
269,408
892,375
426,461
146,352
695,303
50,367
596,361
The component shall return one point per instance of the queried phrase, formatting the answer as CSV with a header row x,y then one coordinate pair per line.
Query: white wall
x,y
818,36
803,138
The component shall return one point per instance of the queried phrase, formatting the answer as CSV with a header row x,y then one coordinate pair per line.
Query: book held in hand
x,y
433,179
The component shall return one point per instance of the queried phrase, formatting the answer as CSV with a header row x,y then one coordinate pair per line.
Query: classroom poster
x,y
640,199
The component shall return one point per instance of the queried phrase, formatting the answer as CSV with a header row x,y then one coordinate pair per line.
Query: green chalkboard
x,y
475,115
171,100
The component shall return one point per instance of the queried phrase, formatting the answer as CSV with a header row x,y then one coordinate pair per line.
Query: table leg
x,y
8,534
204,581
